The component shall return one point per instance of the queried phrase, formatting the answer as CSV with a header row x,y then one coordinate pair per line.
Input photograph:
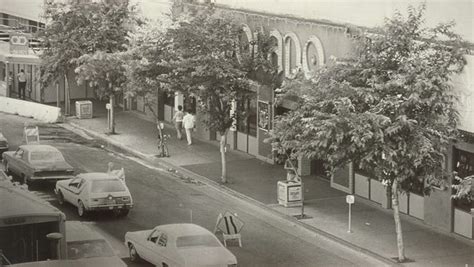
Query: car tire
x,y
133,253
60,197
81,210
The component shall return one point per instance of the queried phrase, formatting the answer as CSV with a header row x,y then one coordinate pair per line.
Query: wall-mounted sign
x,y
264,116
18,44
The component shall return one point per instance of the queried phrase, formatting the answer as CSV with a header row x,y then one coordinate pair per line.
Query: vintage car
x,y
85,247
95,191
178,245
84,243
37,162
3,144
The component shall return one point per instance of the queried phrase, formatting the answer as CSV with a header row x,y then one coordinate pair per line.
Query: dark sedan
x,y
37,162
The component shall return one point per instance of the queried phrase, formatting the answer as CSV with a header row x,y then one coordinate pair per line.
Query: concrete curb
x,y
75,128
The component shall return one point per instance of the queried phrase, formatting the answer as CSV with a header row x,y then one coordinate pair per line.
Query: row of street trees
x,y
390,110
198,54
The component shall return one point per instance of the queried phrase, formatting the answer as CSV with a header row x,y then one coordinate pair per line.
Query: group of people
x,y
184,120
21,76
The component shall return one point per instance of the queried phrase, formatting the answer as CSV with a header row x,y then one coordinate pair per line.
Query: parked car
x,y
95,191
178,245
37,162
85,247
84,243
3,144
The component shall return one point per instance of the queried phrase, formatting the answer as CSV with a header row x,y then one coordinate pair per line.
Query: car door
x,y
78,190
70,190
15,161
163,253
146,249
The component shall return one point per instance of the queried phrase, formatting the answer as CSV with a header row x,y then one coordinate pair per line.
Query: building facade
x,y
308,44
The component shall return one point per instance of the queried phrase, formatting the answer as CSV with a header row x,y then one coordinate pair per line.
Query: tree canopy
x,y
77,28
390,109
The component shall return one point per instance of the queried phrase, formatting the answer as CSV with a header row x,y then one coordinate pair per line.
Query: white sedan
x,y
95,191
178,245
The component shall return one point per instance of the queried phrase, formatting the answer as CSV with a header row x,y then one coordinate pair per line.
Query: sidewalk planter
x,y
416,206
289,194
84,109
464,223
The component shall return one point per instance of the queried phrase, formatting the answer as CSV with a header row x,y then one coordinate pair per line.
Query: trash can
x,y
84,109
289,193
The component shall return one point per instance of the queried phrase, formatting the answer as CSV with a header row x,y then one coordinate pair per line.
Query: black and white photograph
x,y
193,133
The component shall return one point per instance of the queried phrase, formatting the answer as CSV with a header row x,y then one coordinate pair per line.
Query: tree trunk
x,y
398,224
67,98
58,99
112,117
223,144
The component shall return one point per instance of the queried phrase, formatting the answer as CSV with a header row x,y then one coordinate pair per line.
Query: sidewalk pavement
x,y
373,230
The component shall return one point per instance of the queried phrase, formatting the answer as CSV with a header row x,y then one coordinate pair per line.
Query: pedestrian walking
x,y
21,84
178,122
189,126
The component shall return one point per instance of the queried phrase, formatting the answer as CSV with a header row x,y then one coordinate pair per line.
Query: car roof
x,y
78,231
97,176
38,148
183,229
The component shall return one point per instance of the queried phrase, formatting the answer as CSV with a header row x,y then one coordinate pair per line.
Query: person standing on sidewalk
x,y
21,84
178,122
189,125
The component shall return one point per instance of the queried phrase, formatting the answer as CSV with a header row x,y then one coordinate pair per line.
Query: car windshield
x,y
46,156
107,186
88,249
196,241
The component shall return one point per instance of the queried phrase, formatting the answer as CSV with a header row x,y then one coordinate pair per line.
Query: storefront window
x,y
464,167
248,123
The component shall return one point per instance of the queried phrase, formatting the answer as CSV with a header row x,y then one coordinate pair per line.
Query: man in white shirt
x,y
189,125
21,84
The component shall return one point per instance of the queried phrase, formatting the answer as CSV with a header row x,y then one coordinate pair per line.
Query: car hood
x,y
207,256
138,235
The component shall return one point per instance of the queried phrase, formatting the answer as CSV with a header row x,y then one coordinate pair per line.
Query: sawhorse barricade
x,y
230,226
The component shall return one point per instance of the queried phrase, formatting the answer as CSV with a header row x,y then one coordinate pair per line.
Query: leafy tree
x,y
76,28
463,188
106,73
390,110
147,56
207,65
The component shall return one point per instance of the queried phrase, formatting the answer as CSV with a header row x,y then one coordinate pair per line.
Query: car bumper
x,y
111,207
